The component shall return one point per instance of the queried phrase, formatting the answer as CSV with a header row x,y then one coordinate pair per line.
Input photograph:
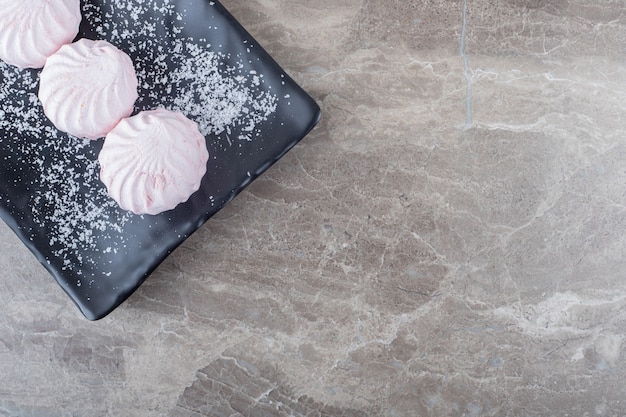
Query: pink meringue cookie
x,y
87,87
153,161
32,30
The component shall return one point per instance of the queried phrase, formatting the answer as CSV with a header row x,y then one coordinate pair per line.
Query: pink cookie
x,y
87,87
32,30
153,161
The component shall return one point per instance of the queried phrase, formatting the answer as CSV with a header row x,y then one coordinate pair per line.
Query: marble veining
x,y
466,71
448,241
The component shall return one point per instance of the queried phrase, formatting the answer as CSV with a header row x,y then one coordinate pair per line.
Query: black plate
x,y
190,55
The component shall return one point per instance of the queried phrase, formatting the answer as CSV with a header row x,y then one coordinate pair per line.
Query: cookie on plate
x,y
87,87
153,161
33,30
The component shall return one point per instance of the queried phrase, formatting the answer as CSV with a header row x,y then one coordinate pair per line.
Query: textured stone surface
x,y
448,241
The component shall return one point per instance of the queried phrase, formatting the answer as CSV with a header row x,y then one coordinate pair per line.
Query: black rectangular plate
x,y
190,55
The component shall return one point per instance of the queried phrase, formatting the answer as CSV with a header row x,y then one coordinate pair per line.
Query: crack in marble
x,y
225,386
466,72
560,313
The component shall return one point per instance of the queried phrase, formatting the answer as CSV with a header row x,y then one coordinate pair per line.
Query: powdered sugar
x,y
67,203
187,75
230,97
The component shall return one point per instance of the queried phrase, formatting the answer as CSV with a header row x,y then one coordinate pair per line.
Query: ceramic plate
x,y
190,55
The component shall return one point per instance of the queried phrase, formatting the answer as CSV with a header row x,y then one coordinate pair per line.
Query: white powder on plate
x,y
187,74
67,199
230,97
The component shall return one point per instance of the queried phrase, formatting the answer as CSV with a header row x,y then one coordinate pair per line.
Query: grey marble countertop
x,y
450,239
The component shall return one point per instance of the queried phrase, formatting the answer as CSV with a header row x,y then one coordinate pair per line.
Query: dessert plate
x,y
190,55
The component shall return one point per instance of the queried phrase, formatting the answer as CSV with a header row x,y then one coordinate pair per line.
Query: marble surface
x,y
449,241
